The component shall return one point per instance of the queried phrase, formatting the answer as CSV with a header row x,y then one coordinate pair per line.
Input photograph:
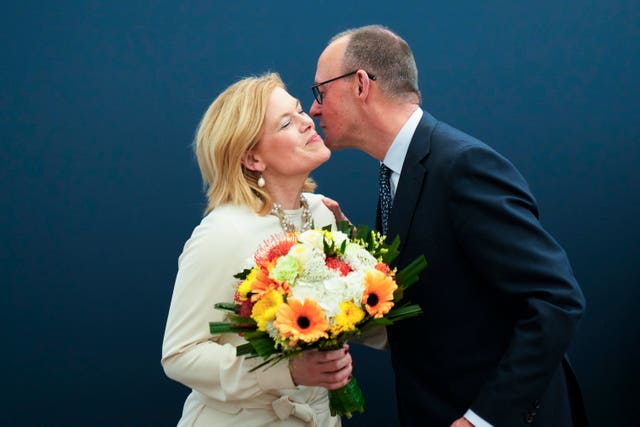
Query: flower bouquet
x,y
315,290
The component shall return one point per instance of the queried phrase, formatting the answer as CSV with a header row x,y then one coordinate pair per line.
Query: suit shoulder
x,y
450,146
455,139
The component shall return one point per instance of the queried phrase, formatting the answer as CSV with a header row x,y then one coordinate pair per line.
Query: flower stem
x,y
346,400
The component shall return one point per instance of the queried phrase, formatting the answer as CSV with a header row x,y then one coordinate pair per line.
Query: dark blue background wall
x,y
99,187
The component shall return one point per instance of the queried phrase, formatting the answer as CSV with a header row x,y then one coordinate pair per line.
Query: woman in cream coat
x,y
256,148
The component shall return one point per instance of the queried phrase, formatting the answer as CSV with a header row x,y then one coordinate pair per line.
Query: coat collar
x,y
412,179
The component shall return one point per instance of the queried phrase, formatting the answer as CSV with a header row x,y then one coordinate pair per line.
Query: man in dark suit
x,y
501,303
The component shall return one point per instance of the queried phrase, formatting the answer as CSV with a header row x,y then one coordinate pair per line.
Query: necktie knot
x,y
384,199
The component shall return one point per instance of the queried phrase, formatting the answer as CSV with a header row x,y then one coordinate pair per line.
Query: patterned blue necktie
x,y
384,199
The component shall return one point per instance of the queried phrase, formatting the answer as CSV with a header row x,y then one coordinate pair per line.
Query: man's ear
x,y
363,84
252,162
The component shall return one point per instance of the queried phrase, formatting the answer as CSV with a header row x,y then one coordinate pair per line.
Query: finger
x,y
338,379
342,366
330,203
334,207
328,200
326,356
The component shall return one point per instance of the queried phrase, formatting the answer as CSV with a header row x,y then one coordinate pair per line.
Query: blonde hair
x,y
230,128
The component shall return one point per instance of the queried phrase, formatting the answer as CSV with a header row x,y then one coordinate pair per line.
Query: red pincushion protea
x,y
275,247
339,265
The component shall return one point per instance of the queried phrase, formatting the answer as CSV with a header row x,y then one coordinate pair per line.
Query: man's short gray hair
x,y
379,51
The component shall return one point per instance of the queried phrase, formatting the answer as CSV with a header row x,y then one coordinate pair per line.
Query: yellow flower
x,y
378,294
351,314
328,235
246,286
266,308
301,321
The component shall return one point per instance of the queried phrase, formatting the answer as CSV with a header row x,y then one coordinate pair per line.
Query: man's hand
x,y
337,212
461,422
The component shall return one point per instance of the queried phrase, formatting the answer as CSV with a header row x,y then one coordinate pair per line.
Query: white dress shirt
x,y
398,150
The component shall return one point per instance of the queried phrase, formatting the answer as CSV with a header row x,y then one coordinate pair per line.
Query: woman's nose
x,y
306,122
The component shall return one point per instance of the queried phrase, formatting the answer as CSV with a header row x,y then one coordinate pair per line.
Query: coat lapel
x,y
412,179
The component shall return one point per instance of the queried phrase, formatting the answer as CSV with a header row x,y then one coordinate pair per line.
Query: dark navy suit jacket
x,y
501,303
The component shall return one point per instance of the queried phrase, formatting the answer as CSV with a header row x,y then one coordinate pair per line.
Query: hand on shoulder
x,y
334,207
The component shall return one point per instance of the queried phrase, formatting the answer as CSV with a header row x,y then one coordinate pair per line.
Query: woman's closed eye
x,y
285,124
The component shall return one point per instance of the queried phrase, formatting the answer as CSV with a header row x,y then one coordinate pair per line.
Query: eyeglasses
x,y
316,91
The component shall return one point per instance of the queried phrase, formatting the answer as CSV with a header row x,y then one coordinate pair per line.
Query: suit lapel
x,y
412,179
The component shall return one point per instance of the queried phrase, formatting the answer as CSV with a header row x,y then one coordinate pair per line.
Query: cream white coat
x,y
223,391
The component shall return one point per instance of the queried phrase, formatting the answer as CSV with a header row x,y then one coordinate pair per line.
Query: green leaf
x,y
263,344
245,349
227,306
394,315
269,362
409,275
220,327
392,251
329,250
243,274
345,401
227,327
372,322
346,227
404,312
242,320
363,232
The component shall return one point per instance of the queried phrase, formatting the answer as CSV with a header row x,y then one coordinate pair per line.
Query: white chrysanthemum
x,y
358,257
304,289
312,238
306,253
327,293
337,291
354,286
315,269
339,237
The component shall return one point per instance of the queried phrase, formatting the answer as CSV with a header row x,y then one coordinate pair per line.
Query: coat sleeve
x,y
496,221
190,354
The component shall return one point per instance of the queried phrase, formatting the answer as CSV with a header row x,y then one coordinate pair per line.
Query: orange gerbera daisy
x,y
274,247
262,283
301,321
378,294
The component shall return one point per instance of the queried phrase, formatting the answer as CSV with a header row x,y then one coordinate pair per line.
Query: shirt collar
x,y
398,150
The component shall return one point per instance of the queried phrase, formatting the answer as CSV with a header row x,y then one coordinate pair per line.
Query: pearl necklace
x,y
286,224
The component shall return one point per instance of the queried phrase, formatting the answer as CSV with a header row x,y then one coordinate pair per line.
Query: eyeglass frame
x,y
317,95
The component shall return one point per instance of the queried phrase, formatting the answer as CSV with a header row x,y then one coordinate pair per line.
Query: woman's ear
x,y
252,162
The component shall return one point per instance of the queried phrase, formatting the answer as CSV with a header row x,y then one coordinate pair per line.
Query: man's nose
x,y
314,110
